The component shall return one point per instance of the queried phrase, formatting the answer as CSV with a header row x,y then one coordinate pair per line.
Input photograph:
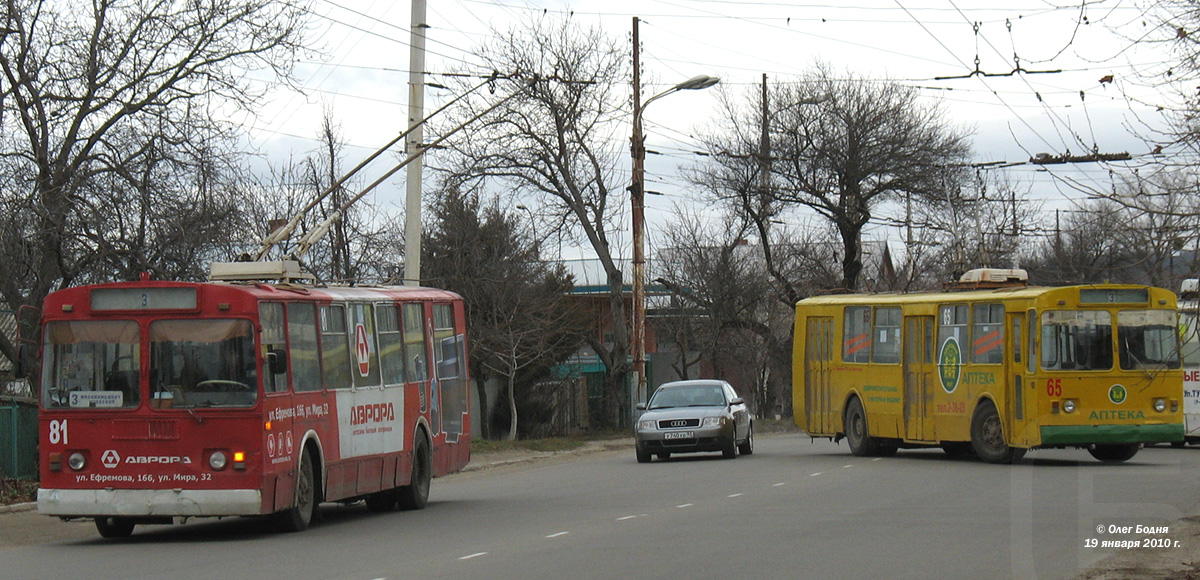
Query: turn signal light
x,y
239,460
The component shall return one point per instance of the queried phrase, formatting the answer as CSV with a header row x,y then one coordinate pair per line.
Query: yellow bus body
x,y
917,390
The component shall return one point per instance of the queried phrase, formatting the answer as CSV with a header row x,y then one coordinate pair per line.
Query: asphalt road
x,y
794,509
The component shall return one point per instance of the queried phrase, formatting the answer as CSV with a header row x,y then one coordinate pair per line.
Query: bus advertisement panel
x,y
162,400
992,373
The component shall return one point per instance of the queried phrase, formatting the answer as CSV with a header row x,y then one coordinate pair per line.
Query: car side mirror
x,y
641,406
736,401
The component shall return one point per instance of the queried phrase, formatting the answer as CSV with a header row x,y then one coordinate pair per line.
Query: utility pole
x,y
413,144
764,143
637,195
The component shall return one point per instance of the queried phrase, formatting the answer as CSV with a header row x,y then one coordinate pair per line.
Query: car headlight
x,y
1068,406
1160,405
714,421
645,425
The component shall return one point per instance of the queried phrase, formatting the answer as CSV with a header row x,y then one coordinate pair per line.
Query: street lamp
x,y
638,196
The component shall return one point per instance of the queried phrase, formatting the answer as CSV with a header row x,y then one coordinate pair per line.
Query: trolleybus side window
x,y
391,344
365,353
450,353
856,333
91,364
886,336
987,330
274,347
953,324
415,357
1147,339
302,354
202,363
1076,340
335,347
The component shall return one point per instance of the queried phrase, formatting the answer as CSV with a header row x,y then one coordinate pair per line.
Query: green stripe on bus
x,y
1083,434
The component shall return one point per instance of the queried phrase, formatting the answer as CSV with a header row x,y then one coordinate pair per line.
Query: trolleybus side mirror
x,y
277,361
18,370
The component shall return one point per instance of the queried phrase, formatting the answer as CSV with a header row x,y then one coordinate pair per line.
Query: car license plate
x,y
679,435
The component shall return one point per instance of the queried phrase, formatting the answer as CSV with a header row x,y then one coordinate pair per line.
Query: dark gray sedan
x,y
694,416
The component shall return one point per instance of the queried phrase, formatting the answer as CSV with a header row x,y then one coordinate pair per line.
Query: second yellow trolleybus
x,y
994,372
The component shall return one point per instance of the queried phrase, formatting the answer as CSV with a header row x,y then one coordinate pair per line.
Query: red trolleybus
x,y
165,400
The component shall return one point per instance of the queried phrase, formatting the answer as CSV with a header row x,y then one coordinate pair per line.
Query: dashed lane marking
x,y
558,534
475,555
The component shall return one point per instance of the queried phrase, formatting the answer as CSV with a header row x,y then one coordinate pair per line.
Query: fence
x,y
18,439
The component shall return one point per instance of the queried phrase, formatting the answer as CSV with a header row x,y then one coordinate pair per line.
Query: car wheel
x,y
643,456
114,527
747,446
729,447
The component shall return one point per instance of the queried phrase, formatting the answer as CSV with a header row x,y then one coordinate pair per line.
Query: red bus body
x,y
169,399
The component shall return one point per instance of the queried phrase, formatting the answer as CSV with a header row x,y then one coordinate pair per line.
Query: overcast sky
x,y
362,78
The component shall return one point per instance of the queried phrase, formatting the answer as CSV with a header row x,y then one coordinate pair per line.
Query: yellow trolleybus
x,y
993,371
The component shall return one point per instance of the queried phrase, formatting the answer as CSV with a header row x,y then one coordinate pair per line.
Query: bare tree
x,y
840,145
363,244
115,156
556,143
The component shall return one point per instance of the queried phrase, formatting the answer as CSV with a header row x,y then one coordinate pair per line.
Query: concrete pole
x,y
413,144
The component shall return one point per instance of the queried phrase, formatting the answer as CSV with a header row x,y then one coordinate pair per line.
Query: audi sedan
x,y
694,416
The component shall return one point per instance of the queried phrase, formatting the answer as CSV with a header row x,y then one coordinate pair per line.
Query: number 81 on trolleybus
x,y
165,400
993,371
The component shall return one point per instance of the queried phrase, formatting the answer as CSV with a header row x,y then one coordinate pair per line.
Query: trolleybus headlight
x,y
217,460
645,425
1160,405
76,461
1068,406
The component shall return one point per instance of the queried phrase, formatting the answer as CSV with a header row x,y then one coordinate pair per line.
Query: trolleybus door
x,y
818,350
918,376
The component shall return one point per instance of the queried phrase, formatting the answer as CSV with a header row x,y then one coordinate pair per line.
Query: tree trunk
x,y
512,408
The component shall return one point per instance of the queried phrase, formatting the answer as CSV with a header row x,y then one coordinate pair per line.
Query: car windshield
x,y
698,396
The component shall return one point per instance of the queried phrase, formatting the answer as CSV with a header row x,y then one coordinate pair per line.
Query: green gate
x,y
18,441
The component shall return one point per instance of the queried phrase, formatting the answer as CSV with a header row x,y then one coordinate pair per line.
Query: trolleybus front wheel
x,y
1114,453
114,527
987,436
301,514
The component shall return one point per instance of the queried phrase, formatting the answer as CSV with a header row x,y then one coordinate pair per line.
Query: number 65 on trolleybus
x,y
992,371
164,400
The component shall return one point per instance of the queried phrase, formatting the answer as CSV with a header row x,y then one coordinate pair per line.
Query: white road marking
x,y
631,517
475,555
847,466
816,474
736,495
685,505
558,534
877,459
779,484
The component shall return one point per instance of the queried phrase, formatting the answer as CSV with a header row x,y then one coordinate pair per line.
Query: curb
x,y
18,507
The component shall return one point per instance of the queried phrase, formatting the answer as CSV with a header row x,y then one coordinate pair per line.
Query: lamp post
x,y
638,198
